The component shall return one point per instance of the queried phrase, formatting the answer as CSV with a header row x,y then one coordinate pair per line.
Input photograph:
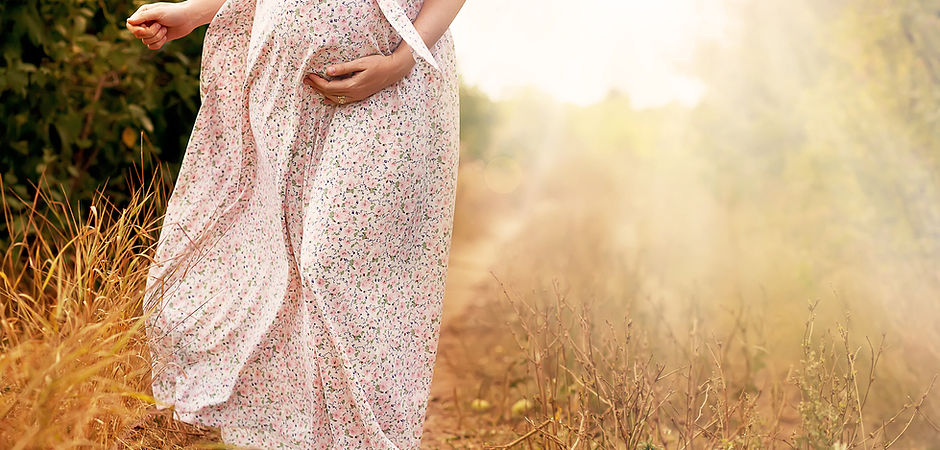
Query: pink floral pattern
x,y
298,279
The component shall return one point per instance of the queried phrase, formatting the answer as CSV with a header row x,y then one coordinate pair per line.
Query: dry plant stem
x,y
917,408
524,436
624,397
459,409
548,438
580,431
850,357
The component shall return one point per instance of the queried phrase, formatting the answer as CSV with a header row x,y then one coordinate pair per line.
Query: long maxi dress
x,y
297,282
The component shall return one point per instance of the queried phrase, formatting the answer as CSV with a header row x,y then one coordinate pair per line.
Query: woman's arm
x,y
158,23
376,72
432,21
203,10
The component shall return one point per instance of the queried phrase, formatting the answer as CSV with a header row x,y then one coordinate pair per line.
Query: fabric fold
x,y
396,16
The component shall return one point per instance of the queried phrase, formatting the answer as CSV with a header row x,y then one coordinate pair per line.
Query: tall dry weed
x,y
74,365
594,385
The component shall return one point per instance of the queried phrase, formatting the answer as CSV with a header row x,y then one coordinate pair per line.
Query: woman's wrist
x,y
402,60
201,12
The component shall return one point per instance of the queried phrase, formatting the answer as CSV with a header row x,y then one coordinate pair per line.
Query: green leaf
x,y
141,115
35,31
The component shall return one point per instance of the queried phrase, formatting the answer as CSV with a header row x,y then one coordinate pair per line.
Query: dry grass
x,y
586,360
595,385
571,351
74,367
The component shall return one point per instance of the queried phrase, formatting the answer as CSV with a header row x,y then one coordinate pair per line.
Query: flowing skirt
x,y
298,279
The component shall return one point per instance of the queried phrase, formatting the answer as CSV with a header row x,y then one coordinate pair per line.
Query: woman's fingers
x,y
146,31
334,100
331,99
158,44
152,30
158,36
346,68
367,75
335,87
145,13
147,24
139,31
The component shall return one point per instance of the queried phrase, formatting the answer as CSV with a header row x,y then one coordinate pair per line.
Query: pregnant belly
x,y
309,35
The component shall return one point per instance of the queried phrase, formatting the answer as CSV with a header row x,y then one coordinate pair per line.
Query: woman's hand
x,y
367,76
158,23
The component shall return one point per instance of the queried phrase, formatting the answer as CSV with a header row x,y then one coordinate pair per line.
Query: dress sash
x,y
396,15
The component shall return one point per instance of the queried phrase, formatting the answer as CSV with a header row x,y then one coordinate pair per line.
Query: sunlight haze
x,y
579,53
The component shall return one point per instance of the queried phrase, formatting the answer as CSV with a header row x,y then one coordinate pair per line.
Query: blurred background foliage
x,y
810,170
821,130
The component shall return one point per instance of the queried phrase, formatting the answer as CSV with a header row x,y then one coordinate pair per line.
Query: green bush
x,y
76,91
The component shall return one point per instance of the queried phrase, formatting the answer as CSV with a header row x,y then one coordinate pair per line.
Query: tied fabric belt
x,y
396,16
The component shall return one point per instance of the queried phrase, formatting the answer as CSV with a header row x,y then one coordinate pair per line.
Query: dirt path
x,y
468,280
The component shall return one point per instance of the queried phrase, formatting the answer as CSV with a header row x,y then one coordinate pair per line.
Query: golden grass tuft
x,y
74,365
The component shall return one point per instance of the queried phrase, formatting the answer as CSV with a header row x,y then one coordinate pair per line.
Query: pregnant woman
x,y
295,295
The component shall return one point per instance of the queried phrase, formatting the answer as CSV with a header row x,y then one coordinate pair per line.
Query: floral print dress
x,y
295,296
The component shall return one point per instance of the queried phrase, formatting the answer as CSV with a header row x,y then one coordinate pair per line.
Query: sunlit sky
x,y
579,51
